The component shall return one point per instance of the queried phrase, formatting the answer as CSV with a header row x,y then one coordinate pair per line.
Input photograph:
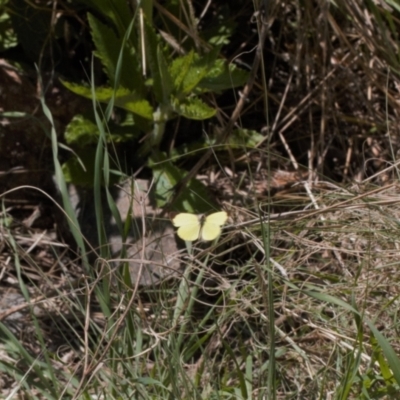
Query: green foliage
x,y
220,30
166,175
160,76
82,134
240,139
214,335
109,47
123,98
244,138
137,106
80,170
148,81
81,131
172,89
386,383
8,37
188,71
192,108
223,76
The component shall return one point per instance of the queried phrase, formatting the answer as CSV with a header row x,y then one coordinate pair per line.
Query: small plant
x,y
149,82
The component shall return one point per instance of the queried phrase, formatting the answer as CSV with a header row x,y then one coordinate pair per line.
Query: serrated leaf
x,y
188,71
193,108
108,48
179,69
81,132
137,106
103,94
124,98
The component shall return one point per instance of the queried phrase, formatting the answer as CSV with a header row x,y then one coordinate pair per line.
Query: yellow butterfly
x,y
192,226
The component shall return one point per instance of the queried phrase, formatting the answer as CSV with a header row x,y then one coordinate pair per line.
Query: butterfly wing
x,y
188,226
212,225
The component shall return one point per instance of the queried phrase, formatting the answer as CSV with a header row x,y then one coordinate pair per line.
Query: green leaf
x,y
331,299
179,69
195,197
161,79
137,106
188,71
81,131
193,108
239,139
223,76
166,80
388,351
103,95
8,37
124,98
108,48
394,4
244,138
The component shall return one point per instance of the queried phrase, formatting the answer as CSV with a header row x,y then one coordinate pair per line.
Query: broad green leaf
x,y
102,94
193,108
125,99
189,70
83,131
223,76
195,197
108,48
179,69
137,106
